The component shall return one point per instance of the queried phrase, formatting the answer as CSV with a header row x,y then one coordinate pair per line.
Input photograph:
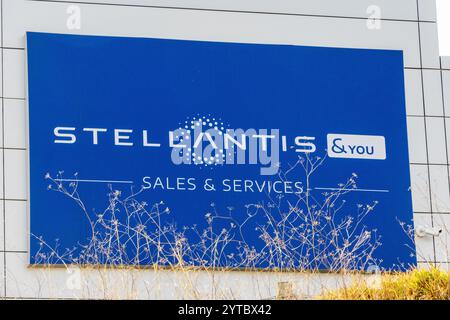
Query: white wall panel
x,y
443,241
147,284
33,283
1,71
427,10
1,122
2,234
439,182
430,45
429,265
432,86
424,245
1,173
417,140
447,129
21,16
15,174
400,9
445,62
14,73
2,278
413,92
15,123
16,222
437,148
446,89
420,188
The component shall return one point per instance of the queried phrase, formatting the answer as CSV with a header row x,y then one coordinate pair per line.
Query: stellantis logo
x,y
207,142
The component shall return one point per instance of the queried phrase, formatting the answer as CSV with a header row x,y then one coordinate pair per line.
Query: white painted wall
x,y
443,14
408,25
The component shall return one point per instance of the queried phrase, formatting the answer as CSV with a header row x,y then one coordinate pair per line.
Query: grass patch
x,y
432,284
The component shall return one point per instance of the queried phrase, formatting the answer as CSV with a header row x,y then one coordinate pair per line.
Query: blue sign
x,y
155,151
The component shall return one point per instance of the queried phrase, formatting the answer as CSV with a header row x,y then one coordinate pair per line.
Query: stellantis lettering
x,y
211,147
201,147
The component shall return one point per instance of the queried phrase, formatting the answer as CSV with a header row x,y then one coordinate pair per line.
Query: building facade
x,y
407,25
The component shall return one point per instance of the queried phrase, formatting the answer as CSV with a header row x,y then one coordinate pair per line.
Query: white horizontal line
x,y
354,190
93,181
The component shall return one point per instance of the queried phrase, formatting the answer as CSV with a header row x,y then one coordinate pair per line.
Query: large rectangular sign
x,y
156,151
